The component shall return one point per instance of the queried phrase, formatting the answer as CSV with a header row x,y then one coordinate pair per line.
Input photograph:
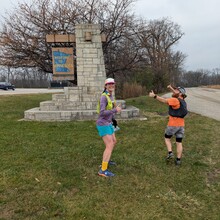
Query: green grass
x,y
48,170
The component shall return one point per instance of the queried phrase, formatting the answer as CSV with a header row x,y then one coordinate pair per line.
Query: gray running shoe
x,y
178,162
170,157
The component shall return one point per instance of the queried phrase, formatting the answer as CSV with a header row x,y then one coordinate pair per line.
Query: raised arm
x,y
159,98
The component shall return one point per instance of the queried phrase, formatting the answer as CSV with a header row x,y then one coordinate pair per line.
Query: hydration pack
x,y
110,104
181,112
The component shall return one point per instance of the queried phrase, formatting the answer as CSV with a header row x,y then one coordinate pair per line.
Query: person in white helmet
x,y
176,123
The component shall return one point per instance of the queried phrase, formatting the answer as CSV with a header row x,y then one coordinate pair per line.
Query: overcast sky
x,y
198,19
200,22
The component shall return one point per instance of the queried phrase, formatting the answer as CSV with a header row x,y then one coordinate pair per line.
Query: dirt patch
x,y
213,176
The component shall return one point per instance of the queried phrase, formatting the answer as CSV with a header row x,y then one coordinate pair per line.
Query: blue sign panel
x,y
62,60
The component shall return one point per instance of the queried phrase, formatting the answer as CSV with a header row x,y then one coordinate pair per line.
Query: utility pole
x,y
8,73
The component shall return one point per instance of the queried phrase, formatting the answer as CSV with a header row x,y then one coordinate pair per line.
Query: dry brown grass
x,y
212,86
131,90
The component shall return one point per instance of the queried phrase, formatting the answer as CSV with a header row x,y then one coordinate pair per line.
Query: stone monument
x,y
80,102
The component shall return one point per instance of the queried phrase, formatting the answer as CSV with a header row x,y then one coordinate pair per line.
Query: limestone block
x,y
96,61
81,82
79,61
90,56
89,105
49,108
87,113
126,113
83,45
74,98
96,38
97,45
90,51
136,112
87,70
88,98
65,115
56,97
30,114
84,89
47,116
47,103
88,62
80,68
100,54
79,33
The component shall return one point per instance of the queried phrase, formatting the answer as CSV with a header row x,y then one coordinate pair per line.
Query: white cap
x,y
109,80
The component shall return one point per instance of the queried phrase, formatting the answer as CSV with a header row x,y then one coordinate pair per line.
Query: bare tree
x,y
175,67
131,44
24,31
158,38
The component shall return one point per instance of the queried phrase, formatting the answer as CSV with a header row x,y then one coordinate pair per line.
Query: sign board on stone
x,y
63,61
60,38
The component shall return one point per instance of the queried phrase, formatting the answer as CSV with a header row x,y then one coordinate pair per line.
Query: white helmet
x,y
109,80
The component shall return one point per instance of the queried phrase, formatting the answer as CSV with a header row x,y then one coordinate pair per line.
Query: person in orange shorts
x,y
176,123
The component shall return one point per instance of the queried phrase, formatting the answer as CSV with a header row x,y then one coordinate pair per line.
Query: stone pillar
x,y
89,57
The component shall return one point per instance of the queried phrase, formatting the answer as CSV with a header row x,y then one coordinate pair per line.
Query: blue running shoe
x,y
105,173
112,163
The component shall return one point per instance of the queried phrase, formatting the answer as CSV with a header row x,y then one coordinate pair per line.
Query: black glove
x,y
114,122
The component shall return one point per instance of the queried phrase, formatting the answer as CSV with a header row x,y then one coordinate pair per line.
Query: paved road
x,y
203,101
19,91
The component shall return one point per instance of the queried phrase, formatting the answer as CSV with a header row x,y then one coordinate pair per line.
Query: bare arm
x,y
172,89
159,98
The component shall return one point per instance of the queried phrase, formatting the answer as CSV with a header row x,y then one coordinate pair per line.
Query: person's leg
x,y
179,145
114,139
168,144
179,149
109,145
170,154
106,133
114,143
168,135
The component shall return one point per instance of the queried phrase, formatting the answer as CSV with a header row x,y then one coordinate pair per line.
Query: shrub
x,y
131,90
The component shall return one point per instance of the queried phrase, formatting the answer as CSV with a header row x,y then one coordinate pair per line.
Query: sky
x,y
198,19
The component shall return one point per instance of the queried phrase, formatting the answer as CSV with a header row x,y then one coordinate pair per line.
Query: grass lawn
x,y
48,170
